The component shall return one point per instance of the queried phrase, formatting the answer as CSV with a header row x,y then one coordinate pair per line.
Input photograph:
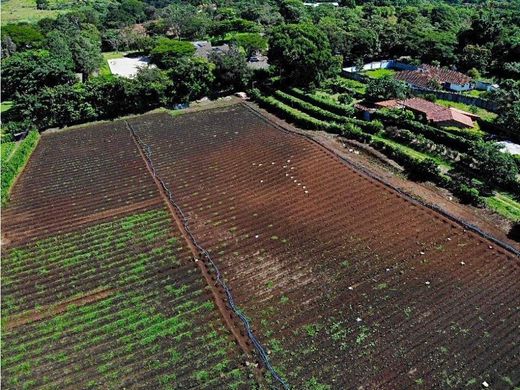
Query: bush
x,y
352,131
467,194
14,165
309,108
299,118
168,51
328,105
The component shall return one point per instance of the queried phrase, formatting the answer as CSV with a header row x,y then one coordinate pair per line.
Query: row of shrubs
x,y
418,169
12,167
306,121
428,170
371,127
395,118
309,108
336,108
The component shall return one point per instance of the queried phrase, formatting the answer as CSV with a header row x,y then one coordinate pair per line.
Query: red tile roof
x,y
426,74
433,112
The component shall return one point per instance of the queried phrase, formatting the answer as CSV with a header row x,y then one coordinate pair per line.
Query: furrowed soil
x,y
99,287
348,283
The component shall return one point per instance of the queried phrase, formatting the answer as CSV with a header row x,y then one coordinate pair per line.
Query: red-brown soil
x,y
350,283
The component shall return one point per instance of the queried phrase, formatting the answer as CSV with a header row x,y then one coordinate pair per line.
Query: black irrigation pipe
x,y
229,296
366,172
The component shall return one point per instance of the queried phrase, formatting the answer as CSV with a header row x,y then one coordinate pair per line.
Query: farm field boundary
x,y
371,175
198,252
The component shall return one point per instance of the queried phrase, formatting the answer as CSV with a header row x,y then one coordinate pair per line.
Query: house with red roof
x,y
440,115
428,76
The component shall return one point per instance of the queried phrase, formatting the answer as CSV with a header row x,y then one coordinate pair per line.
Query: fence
x,y
383,64
458,98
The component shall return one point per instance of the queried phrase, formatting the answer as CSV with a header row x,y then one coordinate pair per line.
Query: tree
x,y
302,54
250,42
507,98
293,11
487,161
475,56
27,72
167,52
42,4
86,52
386,88
23,35
192,78
231,71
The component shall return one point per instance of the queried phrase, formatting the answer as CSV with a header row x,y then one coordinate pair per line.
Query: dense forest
x,y
51,68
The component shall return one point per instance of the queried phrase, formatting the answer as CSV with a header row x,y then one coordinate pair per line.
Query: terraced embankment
x,y
349,283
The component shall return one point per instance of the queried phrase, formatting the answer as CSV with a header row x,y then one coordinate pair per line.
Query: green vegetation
x,y
5,106
104,69
155,310
504,205
26,11
379,73
12,165
484,114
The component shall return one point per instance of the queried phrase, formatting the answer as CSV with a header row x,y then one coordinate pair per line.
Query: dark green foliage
x,y
250,42
231,71
386,88
192,78
485,161
13,166
27,72
340,109
167,52
301,53
23,35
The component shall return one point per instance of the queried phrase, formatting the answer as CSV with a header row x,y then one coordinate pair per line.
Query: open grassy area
x,y
25,10
484,114
379,73
504,205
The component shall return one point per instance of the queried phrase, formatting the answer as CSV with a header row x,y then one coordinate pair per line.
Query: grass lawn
x,y
484,114
475,93
104,69
379,73
353,84
444,165
505,205
25,10
4,106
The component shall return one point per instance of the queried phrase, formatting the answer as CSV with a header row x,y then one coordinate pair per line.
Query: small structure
x,y
129,66
440,115
427,76
203,49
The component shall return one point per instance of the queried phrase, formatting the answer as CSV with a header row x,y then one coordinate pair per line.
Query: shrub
x,y
328,105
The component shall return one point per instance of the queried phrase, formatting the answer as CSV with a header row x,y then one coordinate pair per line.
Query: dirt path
x,y
360,155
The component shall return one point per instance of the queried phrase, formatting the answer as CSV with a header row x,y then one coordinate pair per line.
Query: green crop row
x,y
336,108
12,167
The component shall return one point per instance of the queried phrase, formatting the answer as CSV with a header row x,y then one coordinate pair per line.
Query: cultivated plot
x,y
347,282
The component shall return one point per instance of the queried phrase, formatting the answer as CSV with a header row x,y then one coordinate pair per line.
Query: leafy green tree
x,y
42,4
386,88
508,99
302,54
293,11
184,21
488,162
167,52
23,35
86,52
192,78
27,72
475,56
250,42
231,71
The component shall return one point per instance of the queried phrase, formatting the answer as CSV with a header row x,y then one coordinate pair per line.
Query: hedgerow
x,y
14,165
336,108
309,108
392,118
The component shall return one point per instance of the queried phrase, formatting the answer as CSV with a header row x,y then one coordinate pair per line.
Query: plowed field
x,y
349,283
